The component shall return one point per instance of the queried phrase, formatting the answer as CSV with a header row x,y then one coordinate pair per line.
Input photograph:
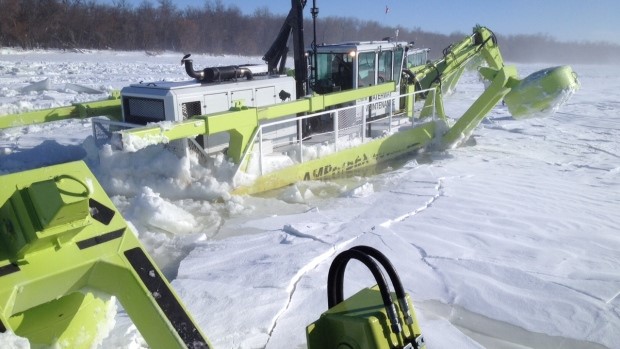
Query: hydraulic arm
x,y
445,73
276,55
447,70
540,92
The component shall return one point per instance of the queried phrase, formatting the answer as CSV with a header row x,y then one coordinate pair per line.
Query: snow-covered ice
x,y
508,242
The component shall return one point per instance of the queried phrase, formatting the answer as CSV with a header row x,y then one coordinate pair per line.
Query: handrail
x,y
258,135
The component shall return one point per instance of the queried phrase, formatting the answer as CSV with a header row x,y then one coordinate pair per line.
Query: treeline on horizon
x,y
218,29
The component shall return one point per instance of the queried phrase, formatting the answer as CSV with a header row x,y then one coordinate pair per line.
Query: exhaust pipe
x,y
213,74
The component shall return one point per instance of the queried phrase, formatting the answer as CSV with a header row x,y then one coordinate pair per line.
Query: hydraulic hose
x,y
414,80
335,283
401,295
447,50
491,38
411,75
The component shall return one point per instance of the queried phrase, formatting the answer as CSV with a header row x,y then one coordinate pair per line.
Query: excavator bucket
x,y
542,92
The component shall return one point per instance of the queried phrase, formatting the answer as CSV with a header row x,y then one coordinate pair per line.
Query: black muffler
x,y
216,74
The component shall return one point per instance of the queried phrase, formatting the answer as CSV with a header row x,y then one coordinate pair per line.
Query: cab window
x,y
385,67
398,61
334,72
366,69
417,58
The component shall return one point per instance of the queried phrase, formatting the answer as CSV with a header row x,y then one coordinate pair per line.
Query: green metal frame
x,y
110,107
501,82
62,242
346,161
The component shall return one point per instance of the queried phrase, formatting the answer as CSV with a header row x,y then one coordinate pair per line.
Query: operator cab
x,y
352,65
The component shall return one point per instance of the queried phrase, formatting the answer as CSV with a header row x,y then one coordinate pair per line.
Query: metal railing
x,y
338,129
339,134
104,129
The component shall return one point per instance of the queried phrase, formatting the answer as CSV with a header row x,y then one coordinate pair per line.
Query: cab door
x,y
375,68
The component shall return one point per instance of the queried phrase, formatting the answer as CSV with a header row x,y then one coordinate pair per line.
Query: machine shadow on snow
x,y
47,153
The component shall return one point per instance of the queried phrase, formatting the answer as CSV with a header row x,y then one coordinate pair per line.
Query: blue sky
x,y
565,20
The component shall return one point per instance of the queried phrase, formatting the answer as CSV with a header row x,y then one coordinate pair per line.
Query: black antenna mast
x,y
315,12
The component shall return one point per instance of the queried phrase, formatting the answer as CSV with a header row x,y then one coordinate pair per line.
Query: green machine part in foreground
x,y
361,322
373,318
63,245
